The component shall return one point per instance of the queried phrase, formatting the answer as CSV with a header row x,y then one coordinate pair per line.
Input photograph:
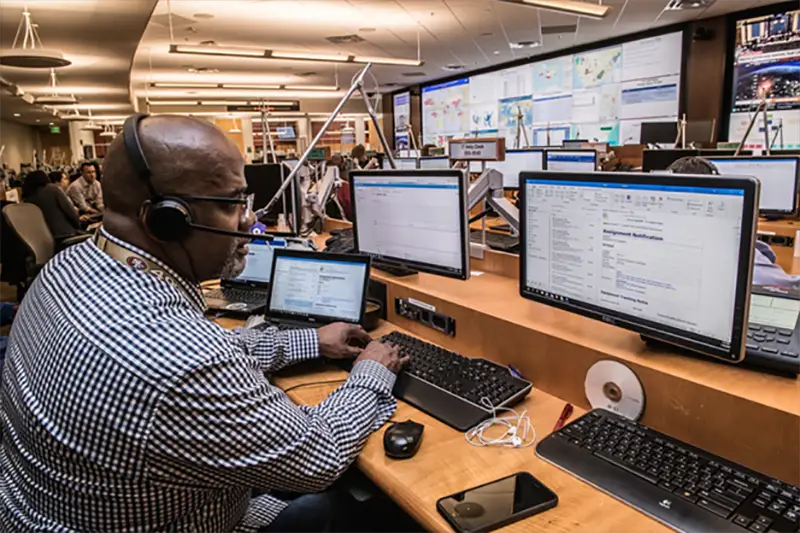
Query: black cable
x,y
479,216
313,383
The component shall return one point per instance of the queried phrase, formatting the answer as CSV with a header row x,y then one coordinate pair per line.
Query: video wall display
x,y
767,65
600,95
402,118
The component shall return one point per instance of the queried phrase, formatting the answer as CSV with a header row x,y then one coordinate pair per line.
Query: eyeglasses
x,y
246,201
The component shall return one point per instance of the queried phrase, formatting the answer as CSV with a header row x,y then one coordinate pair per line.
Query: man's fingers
x,y
352,351
357,332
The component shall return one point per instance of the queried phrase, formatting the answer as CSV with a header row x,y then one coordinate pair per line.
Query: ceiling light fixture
x,y
242,86
220,102
235,128
17,115
680,5
568,7
108,131
289,56
54,98
31,53
91,126
521,45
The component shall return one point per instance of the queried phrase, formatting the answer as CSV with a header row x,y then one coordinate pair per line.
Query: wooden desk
x,y
746,416
446,463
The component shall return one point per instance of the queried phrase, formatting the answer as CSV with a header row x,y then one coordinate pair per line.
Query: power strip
x,y
426,315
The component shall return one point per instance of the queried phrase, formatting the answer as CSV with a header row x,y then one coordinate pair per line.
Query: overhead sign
x,y
477,149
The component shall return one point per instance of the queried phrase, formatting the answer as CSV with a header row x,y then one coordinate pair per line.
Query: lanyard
x,y
138,262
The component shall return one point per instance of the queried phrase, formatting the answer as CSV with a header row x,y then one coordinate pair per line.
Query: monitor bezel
x,y
417,265
736,351
320,256
796,159
546,165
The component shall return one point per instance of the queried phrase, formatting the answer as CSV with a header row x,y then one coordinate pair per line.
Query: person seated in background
x,y
358,155
85,192
765,270
60,178
61,217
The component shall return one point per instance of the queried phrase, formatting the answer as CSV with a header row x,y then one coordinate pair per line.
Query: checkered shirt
x,y
124,409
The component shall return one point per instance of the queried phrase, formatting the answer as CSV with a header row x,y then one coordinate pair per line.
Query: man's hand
x,y
335,340
386,354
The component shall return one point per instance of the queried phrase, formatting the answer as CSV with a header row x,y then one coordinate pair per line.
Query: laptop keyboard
x,y
237,295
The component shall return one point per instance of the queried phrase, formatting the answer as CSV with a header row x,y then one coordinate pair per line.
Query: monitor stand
x,y
394,269
665,346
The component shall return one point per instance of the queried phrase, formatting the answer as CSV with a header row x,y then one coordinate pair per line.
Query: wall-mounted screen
x,y
601,95
402,118
767,64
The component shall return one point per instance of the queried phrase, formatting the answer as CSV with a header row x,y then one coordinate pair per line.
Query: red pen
x,y
565,414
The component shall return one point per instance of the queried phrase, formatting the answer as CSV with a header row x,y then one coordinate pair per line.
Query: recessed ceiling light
x,y
17,115
37,120
453,67
50,123
525,44
203,16
496,52
569,7
679,5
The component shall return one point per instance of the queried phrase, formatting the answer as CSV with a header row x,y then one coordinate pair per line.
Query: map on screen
x,y
601,95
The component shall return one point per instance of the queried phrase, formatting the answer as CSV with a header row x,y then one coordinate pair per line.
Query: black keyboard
x,y
451,387
683,486
237,295
497,241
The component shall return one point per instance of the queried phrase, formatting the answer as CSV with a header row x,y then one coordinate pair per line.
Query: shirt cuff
x,y
300,344
375,372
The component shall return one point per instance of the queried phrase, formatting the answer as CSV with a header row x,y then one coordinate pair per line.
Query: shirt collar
x,y
193,292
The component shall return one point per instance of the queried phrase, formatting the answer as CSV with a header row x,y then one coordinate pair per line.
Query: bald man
x,y
123,408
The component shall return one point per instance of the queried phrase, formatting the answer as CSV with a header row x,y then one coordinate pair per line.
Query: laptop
x,y
247,293
313,289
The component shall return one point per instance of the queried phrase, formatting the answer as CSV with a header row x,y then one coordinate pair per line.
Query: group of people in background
x,y
68,206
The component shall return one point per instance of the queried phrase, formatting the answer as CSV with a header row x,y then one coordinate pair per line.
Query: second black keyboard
x,y
237,295
451,387
685,487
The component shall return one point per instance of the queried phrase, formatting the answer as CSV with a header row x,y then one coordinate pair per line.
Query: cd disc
x,y
613,386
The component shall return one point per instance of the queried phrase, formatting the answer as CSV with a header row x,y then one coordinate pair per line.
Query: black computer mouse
x,y
402,439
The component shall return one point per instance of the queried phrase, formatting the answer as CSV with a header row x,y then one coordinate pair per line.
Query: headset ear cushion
x,y
168,219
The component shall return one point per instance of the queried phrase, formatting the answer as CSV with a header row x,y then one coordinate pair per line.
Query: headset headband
x,y
133,148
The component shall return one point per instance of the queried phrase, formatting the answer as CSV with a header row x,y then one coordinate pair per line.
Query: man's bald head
x,y
186,156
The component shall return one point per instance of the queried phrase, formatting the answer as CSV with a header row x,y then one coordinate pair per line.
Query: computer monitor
x,y
574,143
516,162
412,219
571,160
779,178
285,132
258,268
656,160
318,287
658,133
434,163
263,181
402,163
667,256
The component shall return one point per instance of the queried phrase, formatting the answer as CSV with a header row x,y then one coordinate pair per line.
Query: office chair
x,y
28,222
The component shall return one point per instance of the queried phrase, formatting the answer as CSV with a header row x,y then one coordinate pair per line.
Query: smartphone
x,y
497,504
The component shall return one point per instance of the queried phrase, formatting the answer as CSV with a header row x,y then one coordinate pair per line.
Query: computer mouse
x,y
401,440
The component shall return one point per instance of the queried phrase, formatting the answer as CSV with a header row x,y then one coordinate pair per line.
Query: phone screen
x,y
483,507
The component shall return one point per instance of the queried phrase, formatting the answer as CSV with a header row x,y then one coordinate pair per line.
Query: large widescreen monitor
x,y
667,256
263,181
778,176
416,219
601,95
571,160
766,63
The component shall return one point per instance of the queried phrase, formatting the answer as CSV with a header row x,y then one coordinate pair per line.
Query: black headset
x,y
168,218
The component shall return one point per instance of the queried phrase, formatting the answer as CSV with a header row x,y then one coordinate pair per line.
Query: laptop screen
x,y
258,267
311,284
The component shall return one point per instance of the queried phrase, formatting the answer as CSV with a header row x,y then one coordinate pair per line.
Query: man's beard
x,y
234,264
